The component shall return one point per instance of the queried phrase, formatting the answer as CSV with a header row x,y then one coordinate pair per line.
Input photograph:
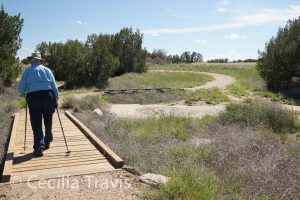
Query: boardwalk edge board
x,y
104,149
10,151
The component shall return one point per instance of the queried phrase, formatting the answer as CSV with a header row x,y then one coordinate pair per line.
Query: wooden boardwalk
x,y
88,153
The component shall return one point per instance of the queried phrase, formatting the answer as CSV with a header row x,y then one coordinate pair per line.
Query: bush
x,y
10,43
85,103
280,61
257,113
186,183
93,62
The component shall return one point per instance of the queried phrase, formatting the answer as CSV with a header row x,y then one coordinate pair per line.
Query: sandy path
x,y
142,111
111,186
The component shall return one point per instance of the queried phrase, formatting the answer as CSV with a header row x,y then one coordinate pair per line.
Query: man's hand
x,y
56,103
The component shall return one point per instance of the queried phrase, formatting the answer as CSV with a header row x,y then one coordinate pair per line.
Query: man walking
x,y
39,87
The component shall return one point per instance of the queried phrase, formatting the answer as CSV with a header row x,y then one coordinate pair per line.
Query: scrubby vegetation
x,y
279,63
209,96
245,153
87,103
7,108
254,113
92,62
10,43
145,97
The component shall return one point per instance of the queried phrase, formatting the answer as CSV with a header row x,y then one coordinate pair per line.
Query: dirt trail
x,y
221,81
178,109
142,111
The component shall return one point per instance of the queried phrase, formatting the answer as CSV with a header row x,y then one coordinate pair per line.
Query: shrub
x,y
10,43
91,63
69,102
280,61
187,184
258,113
85,103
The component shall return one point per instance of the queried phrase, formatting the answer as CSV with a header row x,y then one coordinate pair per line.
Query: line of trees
x,y
92,62
10,43
160,56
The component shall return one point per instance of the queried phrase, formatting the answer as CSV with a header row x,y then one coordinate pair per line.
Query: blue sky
x,y
235,29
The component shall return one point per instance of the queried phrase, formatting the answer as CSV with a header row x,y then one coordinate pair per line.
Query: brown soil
x,y
110,186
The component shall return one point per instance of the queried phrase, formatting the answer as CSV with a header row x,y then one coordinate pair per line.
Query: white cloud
x,y
177,14
241,20
234,36
224,2
219,9
81,22
154,34
201,41
221,5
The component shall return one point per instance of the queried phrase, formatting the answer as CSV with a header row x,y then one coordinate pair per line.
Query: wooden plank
x,y
62,170
31,160
116,160
85,157
60,164
10,152
57,153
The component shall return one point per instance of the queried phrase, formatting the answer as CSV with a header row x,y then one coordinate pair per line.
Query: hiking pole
x,y
68,152
25,124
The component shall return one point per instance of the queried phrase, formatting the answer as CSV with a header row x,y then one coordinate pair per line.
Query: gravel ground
x,y
110,186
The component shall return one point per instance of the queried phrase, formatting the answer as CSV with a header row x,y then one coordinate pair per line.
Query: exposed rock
x,y
98,112
153,179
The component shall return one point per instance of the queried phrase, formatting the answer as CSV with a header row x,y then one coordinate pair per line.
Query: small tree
x,y
280,61
127,46
10,43
186,57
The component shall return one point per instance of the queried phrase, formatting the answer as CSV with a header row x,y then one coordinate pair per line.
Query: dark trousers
x,y
41,105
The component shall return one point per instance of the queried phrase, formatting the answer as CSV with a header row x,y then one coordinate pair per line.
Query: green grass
x,y
246,75
254,113
77,91
248,82
210,96
238,90
153,128
87,103
186,184
277,97
158,80
21,103
190,152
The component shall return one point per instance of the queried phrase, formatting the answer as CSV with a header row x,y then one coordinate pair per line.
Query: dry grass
x,y
7,108
236,161
146,97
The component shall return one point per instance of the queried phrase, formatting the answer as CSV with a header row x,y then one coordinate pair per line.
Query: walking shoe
x,y
38,152
47,146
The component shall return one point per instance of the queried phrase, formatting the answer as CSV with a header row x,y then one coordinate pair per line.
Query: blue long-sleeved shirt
x,y
37,77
